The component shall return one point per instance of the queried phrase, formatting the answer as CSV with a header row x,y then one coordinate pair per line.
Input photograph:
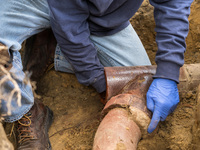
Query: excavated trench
x,y
77,116
77,108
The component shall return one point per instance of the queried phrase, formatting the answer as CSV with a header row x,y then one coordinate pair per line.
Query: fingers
x,y
154,122
162,118
173,108
162,100
150,103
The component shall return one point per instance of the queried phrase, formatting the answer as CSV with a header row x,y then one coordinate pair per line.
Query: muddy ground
x,y
77,108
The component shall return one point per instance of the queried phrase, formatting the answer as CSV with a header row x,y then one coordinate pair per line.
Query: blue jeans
x,y
20,19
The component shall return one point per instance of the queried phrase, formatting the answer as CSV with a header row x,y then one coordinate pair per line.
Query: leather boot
x,y
32,128
39,53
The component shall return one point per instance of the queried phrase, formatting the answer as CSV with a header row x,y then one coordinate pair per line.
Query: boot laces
x,y
24,129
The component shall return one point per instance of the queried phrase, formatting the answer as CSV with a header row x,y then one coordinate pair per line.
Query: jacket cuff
x,y
99,83
167,70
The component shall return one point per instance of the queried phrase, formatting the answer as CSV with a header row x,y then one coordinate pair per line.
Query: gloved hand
x,y
162,99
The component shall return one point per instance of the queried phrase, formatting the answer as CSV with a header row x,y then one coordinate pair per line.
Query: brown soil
x,y
77,116
76,111
77,108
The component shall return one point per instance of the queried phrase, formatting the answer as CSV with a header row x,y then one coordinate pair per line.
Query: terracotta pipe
x,y
125,115
118,77
117,132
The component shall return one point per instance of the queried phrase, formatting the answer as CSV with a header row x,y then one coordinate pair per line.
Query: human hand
x,y
162,99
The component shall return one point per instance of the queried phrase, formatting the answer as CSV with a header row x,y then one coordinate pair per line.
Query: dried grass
x,y
5,77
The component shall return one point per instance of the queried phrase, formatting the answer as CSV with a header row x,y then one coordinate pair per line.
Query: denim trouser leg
x,y
20,19
121,49
27,99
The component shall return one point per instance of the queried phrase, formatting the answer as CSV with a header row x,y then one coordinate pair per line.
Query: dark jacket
x,y
73,21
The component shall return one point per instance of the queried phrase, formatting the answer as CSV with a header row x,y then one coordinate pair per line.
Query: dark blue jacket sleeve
x,y
70,26
171,17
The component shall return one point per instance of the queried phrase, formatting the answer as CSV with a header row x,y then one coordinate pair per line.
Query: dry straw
x,y
5,77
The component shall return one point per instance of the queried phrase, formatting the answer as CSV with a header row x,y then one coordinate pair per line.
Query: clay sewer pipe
x,y
125,115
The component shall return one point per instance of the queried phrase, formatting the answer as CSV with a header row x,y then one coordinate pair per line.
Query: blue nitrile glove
x,y
162,99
